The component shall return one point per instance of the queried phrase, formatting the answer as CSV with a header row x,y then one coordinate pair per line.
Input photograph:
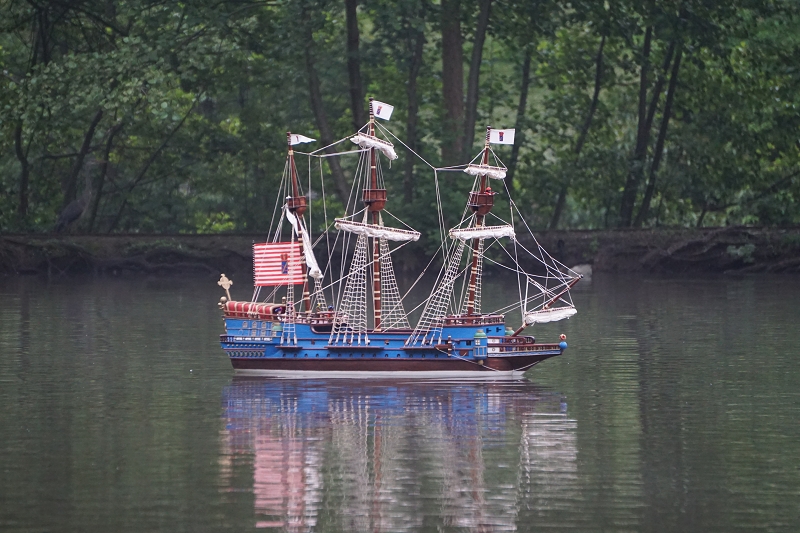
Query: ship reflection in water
x,y
396,456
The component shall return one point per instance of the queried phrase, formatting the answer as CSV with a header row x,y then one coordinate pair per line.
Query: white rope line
x,y
314,153
368,265
460,272
329,251
465,360
465,280
397,219
497,159
563,276
419,277
456,303
358,180
505,309
549,268
524,302
379,172
278,197
442,230
442,226
546,292
326,230
530,231
332,144
388,131
310,212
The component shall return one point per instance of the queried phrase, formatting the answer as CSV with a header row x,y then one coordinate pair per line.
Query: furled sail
x,y
308,253
374,230
497,173
543,316
482,232
370,141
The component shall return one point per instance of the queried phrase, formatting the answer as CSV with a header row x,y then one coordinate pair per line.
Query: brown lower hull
x,y
493,364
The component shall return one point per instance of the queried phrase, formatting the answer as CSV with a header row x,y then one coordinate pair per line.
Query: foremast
x,y
480,202
296,206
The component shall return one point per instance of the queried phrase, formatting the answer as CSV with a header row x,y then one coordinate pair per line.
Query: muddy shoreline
x,y
666,251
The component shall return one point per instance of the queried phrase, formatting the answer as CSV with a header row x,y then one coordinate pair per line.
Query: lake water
x,y
675,409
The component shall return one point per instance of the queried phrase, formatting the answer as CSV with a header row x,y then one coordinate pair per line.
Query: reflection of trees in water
x,y
357,456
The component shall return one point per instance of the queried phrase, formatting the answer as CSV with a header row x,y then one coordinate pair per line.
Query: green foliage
x,y
194,100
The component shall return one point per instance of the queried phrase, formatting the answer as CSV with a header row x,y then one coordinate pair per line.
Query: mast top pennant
x,y
299,139
501,136
382,110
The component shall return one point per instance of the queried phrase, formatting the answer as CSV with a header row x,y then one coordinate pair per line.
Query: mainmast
x,y
297,205
375,200
481,203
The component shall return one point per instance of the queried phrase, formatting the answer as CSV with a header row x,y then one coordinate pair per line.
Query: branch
x,y
69,184
149,162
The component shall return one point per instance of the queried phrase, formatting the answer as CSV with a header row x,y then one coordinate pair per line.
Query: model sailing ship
x,y
366,329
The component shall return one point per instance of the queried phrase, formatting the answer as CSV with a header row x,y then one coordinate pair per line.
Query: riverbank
x,y
712,250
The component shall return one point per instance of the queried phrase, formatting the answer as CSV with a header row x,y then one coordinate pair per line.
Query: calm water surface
x,y
676,408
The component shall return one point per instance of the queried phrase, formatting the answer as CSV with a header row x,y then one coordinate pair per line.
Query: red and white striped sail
x,y
278,263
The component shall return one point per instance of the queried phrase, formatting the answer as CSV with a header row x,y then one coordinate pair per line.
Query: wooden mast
x,y
480,203
297,204
375,200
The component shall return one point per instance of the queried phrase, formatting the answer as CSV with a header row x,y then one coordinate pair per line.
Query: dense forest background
x,y
166,116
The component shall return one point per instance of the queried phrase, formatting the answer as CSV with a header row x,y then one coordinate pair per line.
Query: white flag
x,y
381,110
297,139
501,136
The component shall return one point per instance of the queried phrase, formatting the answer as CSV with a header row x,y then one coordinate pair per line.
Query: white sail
x,y
374,230
497,173
482,232
311,261
549,315
370,141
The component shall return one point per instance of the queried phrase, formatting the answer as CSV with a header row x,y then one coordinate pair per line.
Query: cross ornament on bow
x,y
225,283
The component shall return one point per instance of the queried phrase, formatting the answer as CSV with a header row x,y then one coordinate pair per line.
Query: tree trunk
x,y
416,45
354,65
662,136
636,170
24,175
662,75
473,81
452,82
702,215
103,172
519,138
69,184
41,52
326,135
598,78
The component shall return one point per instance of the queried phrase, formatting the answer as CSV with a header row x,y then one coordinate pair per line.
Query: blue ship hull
x,y
473,350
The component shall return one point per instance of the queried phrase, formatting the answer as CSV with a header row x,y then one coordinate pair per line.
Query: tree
x,y
452,82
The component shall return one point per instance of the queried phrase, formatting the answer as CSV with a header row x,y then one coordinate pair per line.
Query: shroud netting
x,y
393,315
350,320
431,320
